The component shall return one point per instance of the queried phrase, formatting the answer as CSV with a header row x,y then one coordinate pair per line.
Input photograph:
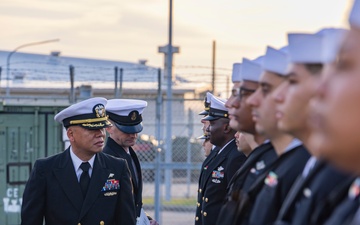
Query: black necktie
x,y
135,172
84,178
214,153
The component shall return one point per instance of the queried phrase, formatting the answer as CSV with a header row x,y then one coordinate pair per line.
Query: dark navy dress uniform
x,y
276,186
56,194
216,173
53,192
112,148
334,199
308,191
126,117
263,156
255,165
345,211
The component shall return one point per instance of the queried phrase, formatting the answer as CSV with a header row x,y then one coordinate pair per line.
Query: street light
x,y
15,50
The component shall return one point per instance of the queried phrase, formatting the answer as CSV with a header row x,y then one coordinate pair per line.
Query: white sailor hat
x,y
89,114
126,114
305,48
217,109
321,47
206,104
332,39
251,69
236,73
354,17
276,61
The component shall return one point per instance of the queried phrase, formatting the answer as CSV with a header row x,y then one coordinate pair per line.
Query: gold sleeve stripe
x,y
89,120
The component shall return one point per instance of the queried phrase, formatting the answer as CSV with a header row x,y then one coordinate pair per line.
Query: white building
x,y
45,80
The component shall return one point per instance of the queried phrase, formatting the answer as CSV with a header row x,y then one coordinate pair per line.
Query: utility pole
x,y
213,75
169,50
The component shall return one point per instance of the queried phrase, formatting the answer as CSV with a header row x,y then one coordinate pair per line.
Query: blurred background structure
x,y
39,86
34,87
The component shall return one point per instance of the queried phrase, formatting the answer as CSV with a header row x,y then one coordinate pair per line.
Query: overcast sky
x,y
129,30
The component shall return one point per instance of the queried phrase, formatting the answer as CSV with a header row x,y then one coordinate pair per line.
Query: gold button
x,y
198,204
206,199
200,190
196,218
203,198
79,223
201,212
205,214
102,222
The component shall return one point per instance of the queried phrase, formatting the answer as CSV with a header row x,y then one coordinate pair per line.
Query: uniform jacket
x,y
307,192
276,186
261,158
345,211
112,148
255,164
333,200
53,192
214,178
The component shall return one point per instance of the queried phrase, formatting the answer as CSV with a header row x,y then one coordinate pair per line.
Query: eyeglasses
x,y
242,92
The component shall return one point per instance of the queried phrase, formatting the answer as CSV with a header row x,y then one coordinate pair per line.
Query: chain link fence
x,y
170,161
176,188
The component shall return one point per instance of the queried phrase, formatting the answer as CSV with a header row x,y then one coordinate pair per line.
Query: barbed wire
x,y
57,70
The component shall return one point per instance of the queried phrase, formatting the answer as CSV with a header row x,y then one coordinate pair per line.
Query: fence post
x,y
72,91
116,91
121,82
158,150
188,159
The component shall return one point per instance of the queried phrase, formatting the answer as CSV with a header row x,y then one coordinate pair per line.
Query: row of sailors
x,y
283,174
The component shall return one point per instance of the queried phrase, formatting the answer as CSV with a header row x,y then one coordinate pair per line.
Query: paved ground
x,y
175,218
176,190
177,215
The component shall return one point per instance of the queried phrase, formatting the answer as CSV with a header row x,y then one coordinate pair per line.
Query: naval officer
x,y
126,118
81,185
221,164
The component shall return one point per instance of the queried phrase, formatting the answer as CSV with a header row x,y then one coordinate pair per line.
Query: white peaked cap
x,y
123,107
331,43
354,17
206,104
218,103
217,109
89,114
236,72
276,61
251,69
126,114
305,48
208,97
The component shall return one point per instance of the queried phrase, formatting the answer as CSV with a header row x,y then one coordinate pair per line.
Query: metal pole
x,y
116,94
0,76
228,84
213,68
168,151
158,151
15,50
72,91
121,82
188,159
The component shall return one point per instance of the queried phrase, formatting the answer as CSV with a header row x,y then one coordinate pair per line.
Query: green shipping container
x,y
27,132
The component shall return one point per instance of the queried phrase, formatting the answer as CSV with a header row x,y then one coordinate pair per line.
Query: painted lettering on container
x,y
12,202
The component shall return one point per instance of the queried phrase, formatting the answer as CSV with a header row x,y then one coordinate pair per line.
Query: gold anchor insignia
x,y
133,116
100,111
